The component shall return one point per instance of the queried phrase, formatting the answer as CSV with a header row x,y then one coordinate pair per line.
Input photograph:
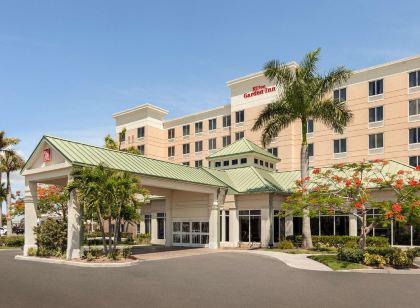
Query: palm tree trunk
x,y
304,172
8,203
1,207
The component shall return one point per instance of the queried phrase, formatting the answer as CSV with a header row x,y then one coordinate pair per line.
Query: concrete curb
x,y
78,264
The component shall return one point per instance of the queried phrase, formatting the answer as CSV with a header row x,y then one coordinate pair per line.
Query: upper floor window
x,y
171,133
309,126
340,95
140,148
414,135
340,145
140,132
376,87
186,163
414,79
171,151
226,121
414,161
198,127
414,107
240,116
186,130
239,135
273,151
226,140
212,144
198,146
310,149
243,161
212,124
198,163
376,114
376,141
186,148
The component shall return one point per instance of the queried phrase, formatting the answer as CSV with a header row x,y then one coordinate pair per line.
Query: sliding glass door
x,y
250,226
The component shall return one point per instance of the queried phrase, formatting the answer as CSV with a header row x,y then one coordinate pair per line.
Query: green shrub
x,y
32,251
376,260
382,251
51,237
114,255
285,245
89,256
12,241
126,252
354,255
413,252
143,238
401,259
338,241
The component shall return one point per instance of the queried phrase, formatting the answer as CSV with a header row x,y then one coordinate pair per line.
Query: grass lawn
x,y
297,251
332,262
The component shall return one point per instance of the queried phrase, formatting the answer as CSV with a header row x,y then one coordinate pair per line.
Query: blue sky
x,y
65,67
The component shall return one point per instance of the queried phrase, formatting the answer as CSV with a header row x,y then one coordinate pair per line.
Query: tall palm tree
x,y
305,95
10,161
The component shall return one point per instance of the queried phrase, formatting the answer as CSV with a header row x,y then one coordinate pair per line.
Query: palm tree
x,y
10,161
3,196
305,95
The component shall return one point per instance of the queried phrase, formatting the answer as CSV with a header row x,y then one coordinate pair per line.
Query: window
x,y
225,163
340,95
138,228
186,148
171,133
310,150
243,161
376,141
309,126
218,164
194,232
271,166
240,116
414,107
140,132
186,163
376,87
279,226
226,140
414,161
226,121
224,237
212,124
122,137
261,163
376,114
141,149
274,151
198,163
250,226
171,151
147,223
340,145
414,79
186,130
239,135
256,161
212,144
198,127
234,162
198,146
161,226
414,135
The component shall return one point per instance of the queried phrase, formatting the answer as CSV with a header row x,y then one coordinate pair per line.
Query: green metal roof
x,y
88,155
242,146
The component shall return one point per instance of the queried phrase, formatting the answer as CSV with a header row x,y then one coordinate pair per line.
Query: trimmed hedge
x,y
338,241
12,241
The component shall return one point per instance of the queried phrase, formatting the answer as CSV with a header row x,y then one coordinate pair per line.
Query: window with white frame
x,y
171,133
273,151
198,146
309,126
212,144
198,127
140,132
414,135
186,163
340,95
212,124
226,140
239,135
186,130
414,107
171,151
414,79
340,145
376,114
148,223
376,141
160,217
310,149
240,116
198,163
186,148
243,161
376,87
414,161
226,121
140,148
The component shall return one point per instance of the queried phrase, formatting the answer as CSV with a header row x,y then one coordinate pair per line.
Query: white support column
x,y
214,242
168,221
234,227
352,225
288,222
74,227
153,228
30,215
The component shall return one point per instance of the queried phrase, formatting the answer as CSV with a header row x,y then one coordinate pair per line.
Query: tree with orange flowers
x,y
351,188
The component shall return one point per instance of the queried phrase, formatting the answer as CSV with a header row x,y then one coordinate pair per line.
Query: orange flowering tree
x,y
52,201
350,188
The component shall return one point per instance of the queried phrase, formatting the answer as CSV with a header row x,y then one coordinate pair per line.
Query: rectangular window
x,y
226,121
414,107
376,87
239,135
147,223
376,141
140,132
226,226
310,149
340,95
273,151
198,127
171,151
198,163
414,135
309,126
240,116
171,133
226,140
186,130
414,161
376,114
141,149
161,226
234,162
198,146
186,163
243,161
414,79
250,226
225,163
212,124
217,164
212,144
186,148
340,145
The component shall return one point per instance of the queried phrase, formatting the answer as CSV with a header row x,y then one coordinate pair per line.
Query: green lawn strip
x,y
335,264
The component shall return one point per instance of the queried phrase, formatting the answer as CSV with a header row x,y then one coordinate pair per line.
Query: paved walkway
x,y
149,253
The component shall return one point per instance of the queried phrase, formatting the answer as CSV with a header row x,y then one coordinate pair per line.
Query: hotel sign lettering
x,y
259,90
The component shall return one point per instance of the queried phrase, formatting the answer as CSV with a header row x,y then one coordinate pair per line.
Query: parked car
x,y
3,231
18,230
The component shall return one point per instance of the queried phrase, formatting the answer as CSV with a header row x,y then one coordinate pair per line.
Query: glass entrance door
x,y
250,226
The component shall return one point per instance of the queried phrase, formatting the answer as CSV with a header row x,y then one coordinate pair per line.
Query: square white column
x,y
352,225
234,227
74,228
168,220
30,215
214,242
288,224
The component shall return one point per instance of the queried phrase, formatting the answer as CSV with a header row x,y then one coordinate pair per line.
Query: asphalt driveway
x,y
209,280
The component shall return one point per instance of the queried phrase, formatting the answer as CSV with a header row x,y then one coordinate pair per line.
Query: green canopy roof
x,y
242,146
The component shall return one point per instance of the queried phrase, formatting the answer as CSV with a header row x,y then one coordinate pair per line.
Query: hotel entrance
x,y
190,233
250,226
